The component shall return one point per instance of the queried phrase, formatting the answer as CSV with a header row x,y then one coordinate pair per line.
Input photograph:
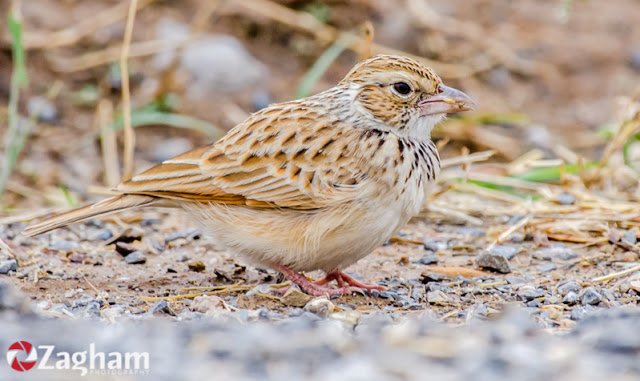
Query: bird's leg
x,y
313,288
345,280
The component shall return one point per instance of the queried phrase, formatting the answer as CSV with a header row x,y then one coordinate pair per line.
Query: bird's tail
x,y
107,206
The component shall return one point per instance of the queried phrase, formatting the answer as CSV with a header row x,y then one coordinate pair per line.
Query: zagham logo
x,y
23,356
29,356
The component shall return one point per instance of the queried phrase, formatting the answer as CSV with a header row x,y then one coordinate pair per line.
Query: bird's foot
x,y
345,280
316,288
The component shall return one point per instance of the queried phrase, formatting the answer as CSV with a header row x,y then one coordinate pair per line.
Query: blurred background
x,y
556,76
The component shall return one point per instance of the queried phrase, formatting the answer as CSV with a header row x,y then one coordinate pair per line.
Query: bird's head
x,y
403,94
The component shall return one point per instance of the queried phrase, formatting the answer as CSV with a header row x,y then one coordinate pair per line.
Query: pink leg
x,y
311,288
345,280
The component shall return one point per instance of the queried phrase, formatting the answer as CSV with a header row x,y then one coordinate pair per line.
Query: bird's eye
x,y
402,88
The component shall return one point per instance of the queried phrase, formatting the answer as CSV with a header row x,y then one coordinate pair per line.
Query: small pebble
x,y
43,109
77,257
565,198
124,248
472,231
430,277
102,235
533,304
8,265
570,286
580,313
570,298
295,298
210,305
529,293
187,233
630,237
160,308
505,251
551,299
491,261
435,246
590,296
428,259
437,297
513,279
516,237
608,295
634,60
546,267
555,252
320,306
196,266
135,258
63,245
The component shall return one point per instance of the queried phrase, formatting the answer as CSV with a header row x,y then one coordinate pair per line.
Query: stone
x,y
322,307
580,313
8,265
496,262
210,305
196,266
428,259
43,109
435,246
216,64
555,252
135,258
590,296
295,298
546,267
160,308
438,297
570,298
569,286
528,293
63,245
504,250
630,237
186,233
565,198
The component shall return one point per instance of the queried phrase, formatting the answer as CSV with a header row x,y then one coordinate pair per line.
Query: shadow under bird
x,y
315,183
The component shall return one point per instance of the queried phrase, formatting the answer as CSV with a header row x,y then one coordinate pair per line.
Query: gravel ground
x,y
264,345
456,308
434,265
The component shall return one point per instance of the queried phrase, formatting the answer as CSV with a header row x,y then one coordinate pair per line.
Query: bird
x,y
311,184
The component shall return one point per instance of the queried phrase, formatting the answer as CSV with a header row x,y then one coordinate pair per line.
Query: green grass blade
x,y
321,65
148,117
17,133
553,174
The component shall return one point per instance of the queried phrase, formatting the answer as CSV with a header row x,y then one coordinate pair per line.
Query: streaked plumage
x,y
316,183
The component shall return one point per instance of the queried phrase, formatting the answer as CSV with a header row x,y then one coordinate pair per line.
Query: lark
x,y
311,184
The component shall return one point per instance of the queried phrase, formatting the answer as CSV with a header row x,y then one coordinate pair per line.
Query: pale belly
x,y
328,239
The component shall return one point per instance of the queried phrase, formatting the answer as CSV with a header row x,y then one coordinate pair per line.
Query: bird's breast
x,y
399,170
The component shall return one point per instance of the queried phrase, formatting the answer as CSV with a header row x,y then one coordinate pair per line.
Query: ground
x,y
536,209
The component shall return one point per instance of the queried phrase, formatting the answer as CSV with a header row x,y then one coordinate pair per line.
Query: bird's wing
x,y
287,157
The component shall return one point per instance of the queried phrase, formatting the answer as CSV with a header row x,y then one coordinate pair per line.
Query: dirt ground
x,y
546,75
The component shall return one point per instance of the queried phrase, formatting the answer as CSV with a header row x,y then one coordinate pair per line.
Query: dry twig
x,y
129,135
85,27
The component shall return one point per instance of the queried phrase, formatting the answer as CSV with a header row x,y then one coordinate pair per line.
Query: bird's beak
x,y
447,101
